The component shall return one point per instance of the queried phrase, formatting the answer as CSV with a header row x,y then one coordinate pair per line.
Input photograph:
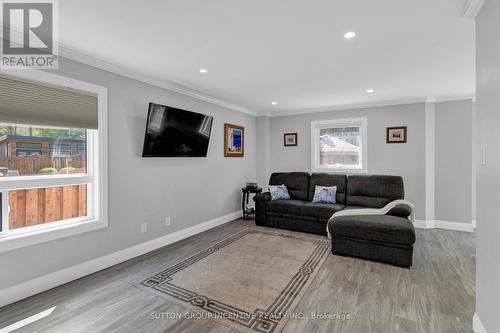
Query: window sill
x,y
36,235
340,170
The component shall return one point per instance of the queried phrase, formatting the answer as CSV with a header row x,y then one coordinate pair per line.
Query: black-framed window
x,y
28,145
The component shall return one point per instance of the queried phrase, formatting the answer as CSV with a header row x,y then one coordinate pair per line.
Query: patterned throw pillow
x,y
279,192
325,194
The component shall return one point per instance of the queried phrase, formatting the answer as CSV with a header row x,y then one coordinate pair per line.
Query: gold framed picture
x,y
290,139
234,140
397,134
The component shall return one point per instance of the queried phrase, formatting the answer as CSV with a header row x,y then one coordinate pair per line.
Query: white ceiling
x,y
288,51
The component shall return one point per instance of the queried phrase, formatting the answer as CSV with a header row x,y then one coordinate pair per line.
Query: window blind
x,y
31,103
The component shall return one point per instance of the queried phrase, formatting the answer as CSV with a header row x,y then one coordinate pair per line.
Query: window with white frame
x,y
339,145
52,157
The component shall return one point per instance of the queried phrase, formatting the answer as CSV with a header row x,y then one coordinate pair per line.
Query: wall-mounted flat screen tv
x,y
172,132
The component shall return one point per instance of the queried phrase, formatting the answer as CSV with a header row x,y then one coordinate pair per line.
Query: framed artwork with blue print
x,y
234,140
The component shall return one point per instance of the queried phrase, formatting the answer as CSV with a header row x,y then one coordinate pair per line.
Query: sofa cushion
x,y
297,183
320,210
279,192
289,207
373,191
355,207
325,194
382,228
328,179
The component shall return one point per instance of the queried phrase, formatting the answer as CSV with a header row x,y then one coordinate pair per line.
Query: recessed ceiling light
x,y
274,103
349,35
203,71
370,91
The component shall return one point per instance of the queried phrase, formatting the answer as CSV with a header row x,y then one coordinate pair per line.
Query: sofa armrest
x,y
400,208
261,201
400,211
262,197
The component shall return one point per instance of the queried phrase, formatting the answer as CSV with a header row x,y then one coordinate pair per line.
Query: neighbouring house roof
x,y
37,138
330,143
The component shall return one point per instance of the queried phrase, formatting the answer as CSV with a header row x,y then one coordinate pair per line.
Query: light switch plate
x,y
483,155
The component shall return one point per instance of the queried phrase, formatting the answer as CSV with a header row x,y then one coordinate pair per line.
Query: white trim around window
x,y
96,177
317,125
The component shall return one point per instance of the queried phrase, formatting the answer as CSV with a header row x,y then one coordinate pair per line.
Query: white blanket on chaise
x,y
373,211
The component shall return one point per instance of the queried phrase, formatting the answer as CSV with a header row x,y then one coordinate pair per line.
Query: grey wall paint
x,y
407,160
263,153
453,167
488,175
190,190
148,190
475,156
453,128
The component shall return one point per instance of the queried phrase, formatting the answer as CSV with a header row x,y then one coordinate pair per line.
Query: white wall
x,y
189,190
453,127
147,190
263,153
453,167
488,175
407,160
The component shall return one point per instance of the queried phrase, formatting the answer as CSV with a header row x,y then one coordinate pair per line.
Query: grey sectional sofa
x,y
300,214
386,238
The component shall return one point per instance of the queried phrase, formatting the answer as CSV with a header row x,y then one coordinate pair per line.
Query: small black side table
x,y
244,201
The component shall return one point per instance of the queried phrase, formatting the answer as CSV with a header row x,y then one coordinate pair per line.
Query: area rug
x,y
252,280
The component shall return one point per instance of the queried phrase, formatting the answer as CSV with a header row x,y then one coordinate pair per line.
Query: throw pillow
x,y
325,194
279,192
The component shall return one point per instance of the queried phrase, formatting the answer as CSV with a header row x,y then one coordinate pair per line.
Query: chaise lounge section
x,y
387,236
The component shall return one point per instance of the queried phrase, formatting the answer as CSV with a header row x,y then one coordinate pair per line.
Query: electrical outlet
x,y
144,227
168,221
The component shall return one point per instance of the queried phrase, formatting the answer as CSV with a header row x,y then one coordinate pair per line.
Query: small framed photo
x,y
234,140
397,134
290,139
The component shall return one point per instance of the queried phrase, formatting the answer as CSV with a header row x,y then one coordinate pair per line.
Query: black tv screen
x,y
172,132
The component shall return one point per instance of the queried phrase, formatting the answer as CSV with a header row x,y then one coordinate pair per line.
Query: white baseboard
x,y
423,224
467,227
440,224
477,325
29,288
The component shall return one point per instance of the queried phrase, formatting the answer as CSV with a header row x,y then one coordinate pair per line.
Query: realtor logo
x,y
29,34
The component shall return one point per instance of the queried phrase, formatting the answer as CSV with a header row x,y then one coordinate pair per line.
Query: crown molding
x,y
472,8
347,107
68,53
71,54
454,98
371,105
451,98
170,85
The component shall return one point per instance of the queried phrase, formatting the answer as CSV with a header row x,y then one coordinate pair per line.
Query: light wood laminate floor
x,y
436,295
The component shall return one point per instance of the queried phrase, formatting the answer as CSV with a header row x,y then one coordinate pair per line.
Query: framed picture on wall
x,y
290,139
234,140
397,134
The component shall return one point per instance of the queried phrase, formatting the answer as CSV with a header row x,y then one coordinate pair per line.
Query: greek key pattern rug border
x,y
260,320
